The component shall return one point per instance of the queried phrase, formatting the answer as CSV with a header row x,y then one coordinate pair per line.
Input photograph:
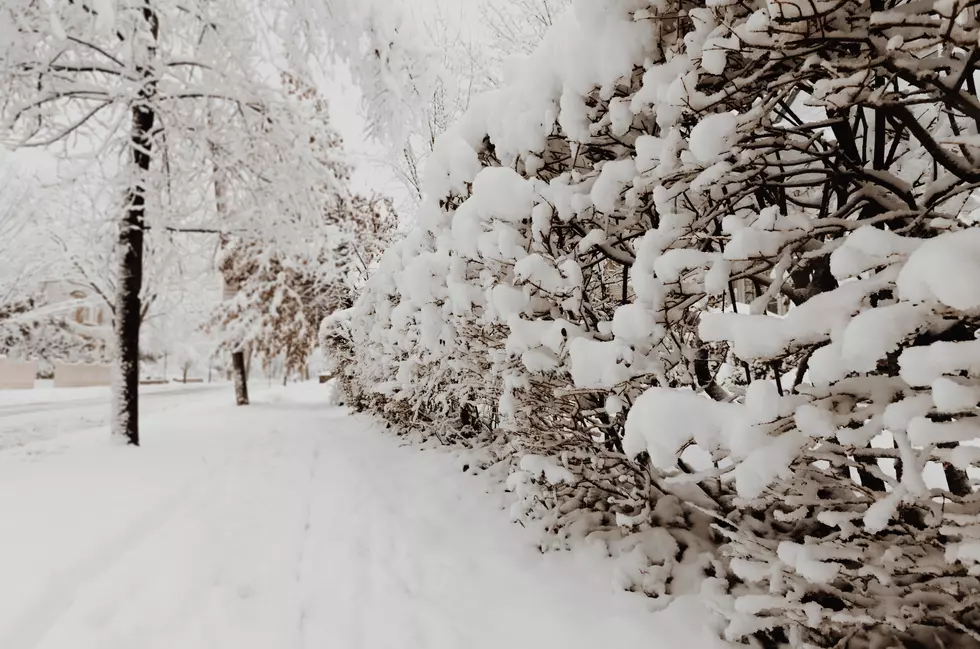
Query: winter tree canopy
x,y
173,98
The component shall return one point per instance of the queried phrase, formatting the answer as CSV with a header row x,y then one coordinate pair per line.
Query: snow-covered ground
x,y
46,394
286,524
47,412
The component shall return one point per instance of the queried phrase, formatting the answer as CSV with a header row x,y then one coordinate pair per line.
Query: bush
x,y
723,258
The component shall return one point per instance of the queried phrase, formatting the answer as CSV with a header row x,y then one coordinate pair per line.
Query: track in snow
x,y
286,525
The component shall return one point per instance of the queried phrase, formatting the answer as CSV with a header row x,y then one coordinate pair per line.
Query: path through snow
x,y
283,525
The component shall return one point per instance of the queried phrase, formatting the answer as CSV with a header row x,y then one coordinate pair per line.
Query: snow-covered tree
x,y
476,48
169,96
514,28
31,327
281,296
20,253
278,303
575,284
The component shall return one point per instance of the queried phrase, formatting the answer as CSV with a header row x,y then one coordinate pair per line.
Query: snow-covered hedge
x,y
576,286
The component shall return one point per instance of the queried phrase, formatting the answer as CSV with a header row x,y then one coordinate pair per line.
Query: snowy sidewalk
x,y
284,525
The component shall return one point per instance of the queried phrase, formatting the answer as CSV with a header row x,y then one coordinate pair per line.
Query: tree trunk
x,y
285,367
239,369
126,393
241,381
125,423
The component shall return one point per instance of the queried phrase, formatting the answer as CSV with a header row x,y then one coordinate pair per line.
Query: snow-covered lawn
x,y
285,524
28,416
46,394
